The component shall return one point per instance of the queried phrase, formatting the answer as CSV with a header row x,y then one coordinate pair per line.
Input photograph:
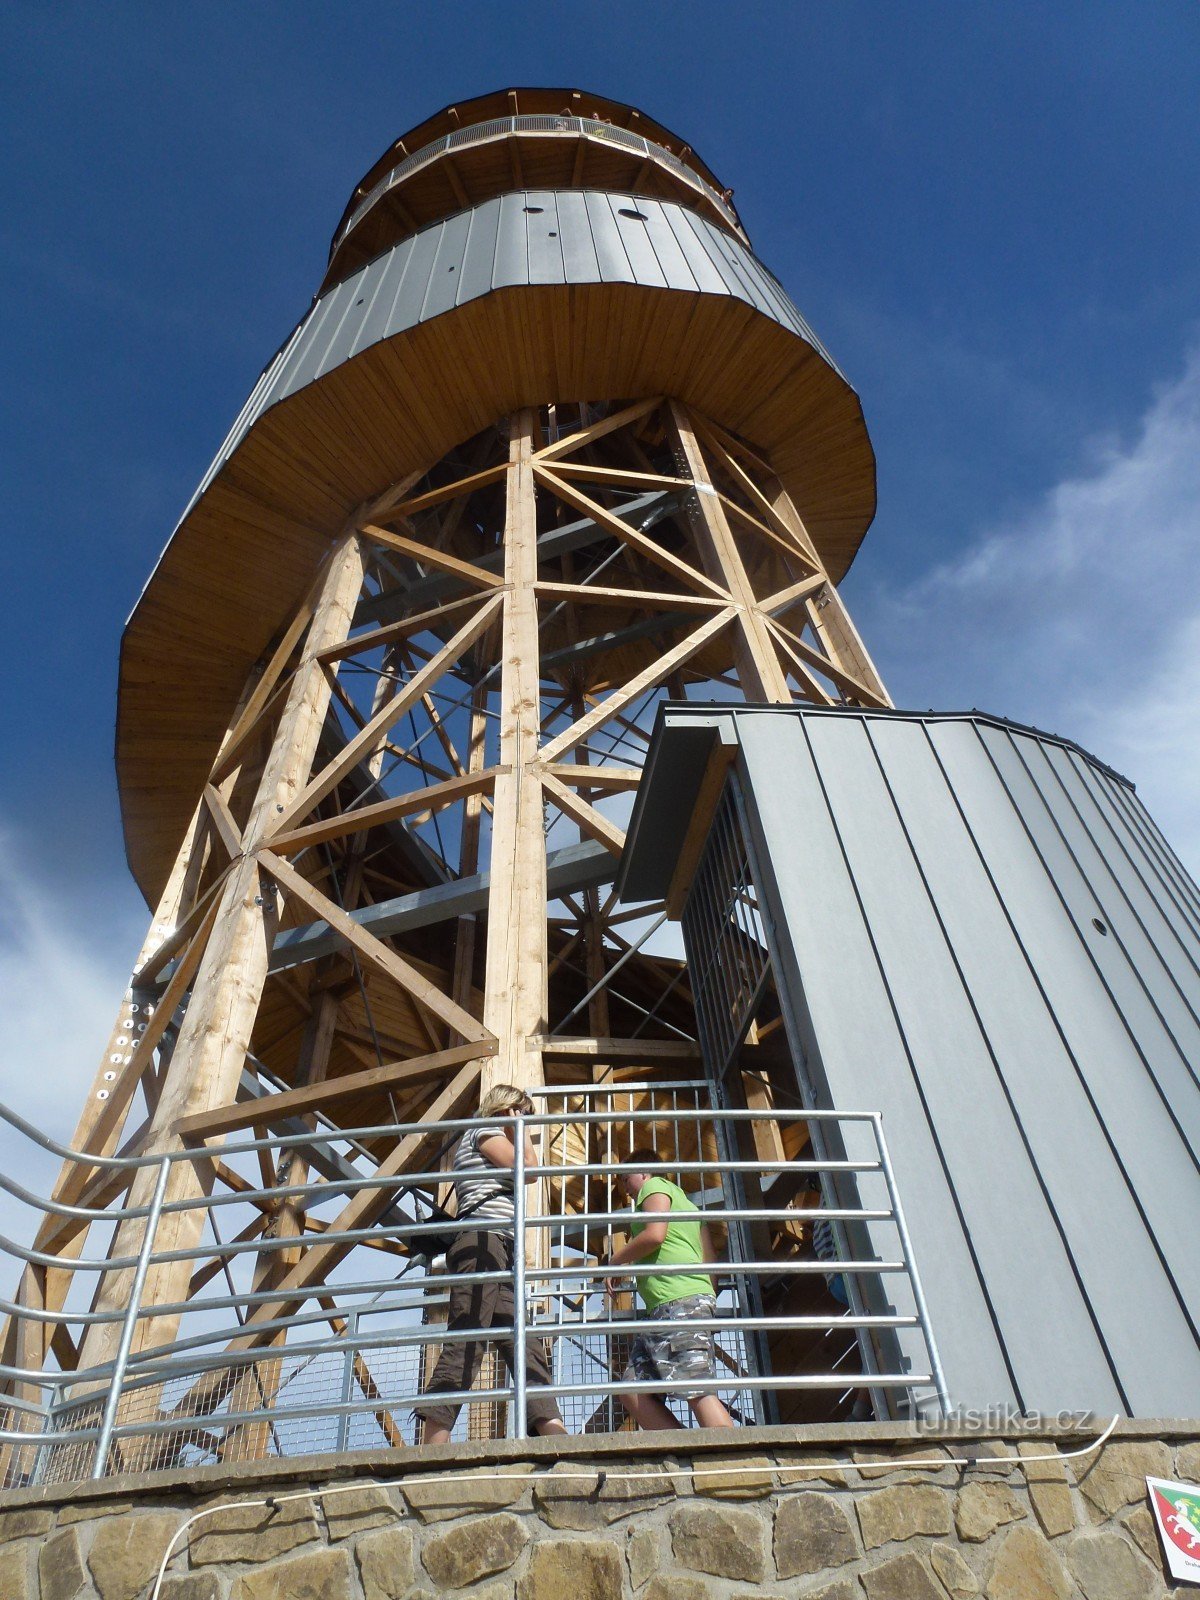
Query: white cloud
x,y
1081,615
64,964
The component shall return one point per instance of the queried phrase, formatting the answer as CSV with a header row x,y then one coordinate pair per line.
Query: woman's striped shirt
x,y
482,1189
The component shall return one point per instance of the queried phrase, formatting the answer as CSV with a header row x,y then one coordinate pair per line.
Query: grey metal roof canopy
x,y
979,930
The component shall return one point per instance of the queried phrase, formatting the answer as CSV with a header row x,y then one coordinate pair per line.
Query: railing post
x,y
519,1430
113,1402
343,1433
914,1277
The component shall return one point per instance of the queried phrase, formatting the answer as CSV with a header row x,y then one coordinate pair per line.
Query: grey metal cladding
x,y
853,1049
512,243
612,259
575,237
479,262
543,232
442,293
580,261
630,217
990,942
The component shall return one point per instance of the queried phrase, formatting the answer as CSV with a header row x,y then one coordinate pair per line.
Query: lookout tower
x,y
550,445
526,540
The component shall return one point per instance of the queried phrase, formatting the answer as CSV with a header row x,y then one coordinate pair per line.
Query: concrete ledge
x,y
717,1443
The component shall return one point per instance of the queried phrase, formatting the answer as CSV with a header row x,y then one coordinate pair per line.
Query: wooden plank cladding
x,y
535,298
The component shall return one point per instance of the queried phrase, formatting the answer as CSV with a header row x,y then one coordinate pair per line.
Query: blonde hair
x,y
503,1098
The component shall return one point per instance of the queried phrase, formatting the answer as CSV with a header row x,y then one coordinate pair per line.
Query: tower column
x,y
515,986
758,666
215,1035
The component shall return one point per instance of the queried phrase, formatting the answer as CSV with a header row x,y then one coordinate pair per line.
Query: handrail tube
x,y
639,1324
39,1258
414,1180
46,1203
161,1359
719,1214
135,1300
939,1376
742,1380
722,1269
156,1357
519,1363
12,1402
373,1130
423,1297
403,1231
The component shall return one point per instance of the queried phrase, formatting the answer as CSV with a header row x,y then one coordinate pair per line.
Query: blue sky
x,y
988,212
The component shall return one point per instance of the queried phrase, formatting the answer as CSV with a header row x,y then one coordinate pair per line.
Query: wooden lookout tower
x,y
550,446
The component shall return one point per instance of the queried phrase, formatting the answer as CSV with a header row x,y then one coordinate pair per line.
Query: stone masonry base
x,y
807,1514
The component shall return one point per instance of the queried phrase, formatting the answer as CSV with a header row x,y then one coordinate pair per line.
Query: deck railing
x,y
505,127
240,1365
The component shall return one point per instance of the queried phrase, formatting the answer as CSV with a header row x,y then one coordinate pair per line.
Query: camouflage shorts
x,y
672,1354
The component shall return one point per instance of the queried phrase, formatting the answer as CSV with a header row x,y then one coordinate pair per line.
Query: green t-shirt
x,y
681,1247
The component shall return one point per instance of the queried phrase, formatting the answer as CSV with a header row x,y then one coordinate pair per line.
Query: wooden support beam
x,y
371,950
648,678
364,742
572,442
449,491
210,1053
592,822
757,662
585,777
428,556
360,1211
813,658
269,1109
360,643
809,685
170,947
514,1005
628,534
831,621
433,797
593,594
623,476
694,840
586,1048
783,599
263,693
227,829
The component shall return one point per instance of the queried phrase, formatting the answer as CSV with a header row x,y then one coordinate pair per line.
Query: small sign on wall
x,y
1176,1508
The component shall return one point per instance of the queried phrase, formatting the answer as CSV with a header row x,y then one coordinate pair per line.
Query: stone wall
x,y
806,1514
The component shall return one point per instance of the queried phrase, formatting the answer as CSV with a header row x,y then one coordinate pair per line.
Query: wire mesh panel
x,y
573,1296
726,943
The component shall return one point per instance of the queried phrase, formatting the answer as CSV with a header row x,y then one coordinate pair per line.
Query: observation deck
x,y
483,159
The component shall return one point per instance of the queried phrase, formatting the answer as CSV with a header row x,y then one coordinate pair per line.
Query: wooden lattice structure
x,y
385,698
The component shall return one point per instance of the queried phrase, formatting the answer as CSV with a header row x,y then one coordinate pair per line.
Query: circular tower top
x,y
519,138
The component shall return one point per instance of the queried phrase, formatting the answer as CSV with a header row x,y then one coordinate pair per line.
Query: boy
x,y
676,1296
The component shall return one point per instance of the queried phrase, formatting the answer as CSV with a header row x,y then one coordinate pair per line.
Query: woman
x,y
483,1186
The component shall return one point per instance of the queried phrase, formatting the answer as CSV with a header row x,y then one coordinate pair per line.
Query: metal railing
x,y
502,128
292,1355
